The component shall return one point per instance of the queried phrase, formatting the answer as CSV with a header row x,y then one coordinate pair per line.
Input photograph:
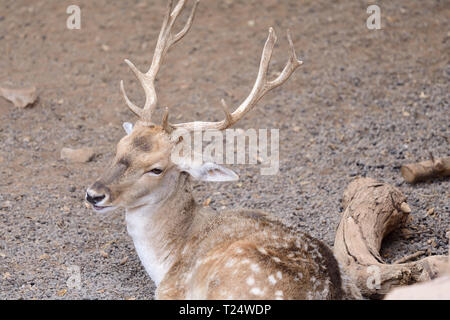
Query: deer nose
x,y
93,197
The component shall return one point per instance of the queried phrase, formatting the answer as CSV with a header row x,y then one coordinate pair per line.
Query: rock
x,y
20,97
123,261
77,155
6,205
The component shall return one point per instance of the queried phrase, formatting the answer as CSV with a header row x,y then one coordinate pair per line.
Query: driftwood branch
x,y
372,211
421,171
437,289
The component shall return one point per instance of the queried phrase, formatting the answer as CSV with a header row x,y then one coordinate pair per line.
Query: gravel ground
x,y
364,103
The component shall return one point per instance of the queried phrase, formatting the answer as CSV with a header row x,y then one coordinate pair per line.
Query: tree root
x,y
421,171
372,211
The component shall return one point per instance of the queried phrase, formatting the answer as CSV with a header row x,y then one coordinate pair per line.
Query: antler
x,y
260,88
165,40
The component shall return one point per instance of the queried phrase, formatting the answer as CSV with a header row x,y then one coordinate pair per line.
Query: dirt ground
x,y
364,103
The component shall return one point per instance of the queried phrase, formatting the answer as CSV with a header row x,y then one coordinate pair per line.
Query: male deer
x,y
195,252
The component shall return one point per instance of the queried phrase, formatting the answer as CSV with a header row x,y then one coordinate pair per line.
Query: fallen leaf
x,y
207,202
61,293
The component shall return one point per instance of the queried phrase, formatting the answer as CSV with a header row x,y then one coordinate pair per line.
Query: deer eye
x,y
155,172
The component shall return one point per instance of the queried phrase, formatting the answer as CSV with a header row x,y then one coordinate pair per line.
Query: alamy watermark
x,y
230,146
74,280
374,279
373,22
74,19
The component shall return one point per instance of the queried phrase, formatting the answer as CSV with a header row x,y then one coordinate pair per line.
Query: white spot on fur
x,y
230,263
276,259
278,293
279,275
256,291
250,281
245,261
255,267
272,279
239,250
262,250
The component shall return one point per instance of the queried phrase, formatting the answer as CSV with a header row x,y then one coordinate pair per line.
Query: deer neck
x,y
159,230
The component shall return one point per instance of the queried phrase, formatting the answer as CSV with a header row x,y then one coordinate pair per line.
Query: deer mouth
x,y
102,208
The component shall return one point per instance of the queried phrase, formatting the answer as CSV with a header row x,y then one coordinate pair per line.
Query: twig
x,y
409,257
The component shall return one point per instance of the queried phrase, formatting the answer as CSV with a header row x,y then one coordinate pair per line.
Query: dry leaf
x,y
61,293
207,202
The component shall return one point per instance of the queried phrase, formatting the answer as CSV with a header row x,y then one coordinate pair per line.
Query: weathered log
x,y
421,171
372,211
437,289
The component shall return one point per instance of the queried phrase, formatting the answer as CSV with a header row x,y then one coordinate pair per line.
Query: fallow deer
x,y
195,252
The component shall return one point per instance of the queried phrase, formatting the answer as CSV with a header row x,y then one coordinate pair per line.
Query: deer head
x,y
142,171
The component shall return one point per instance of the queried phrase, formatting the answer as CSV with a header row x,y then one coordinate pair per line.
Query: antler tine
x,y
165,41
260,88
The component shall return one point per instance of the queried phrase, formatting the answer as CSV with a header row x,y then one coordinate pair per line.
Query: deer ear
x,y
210,172
128,127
